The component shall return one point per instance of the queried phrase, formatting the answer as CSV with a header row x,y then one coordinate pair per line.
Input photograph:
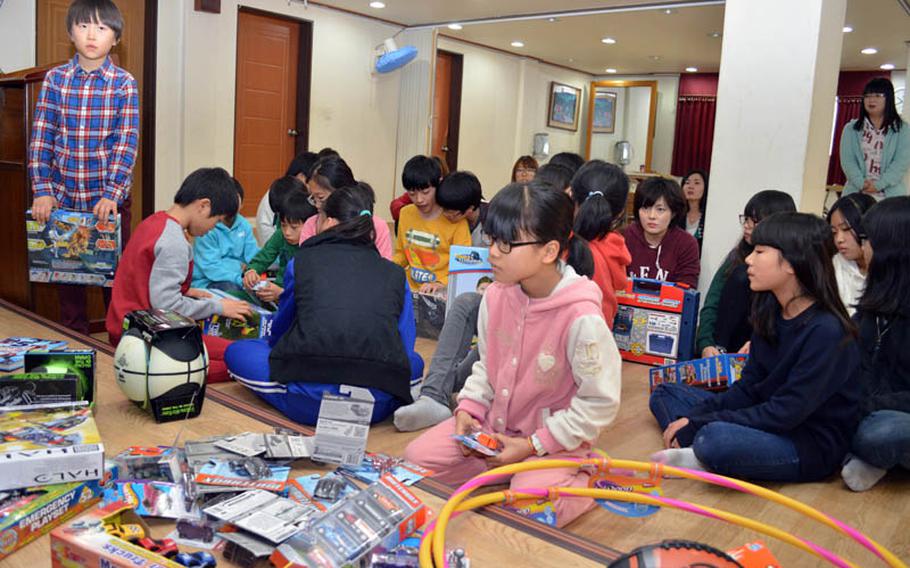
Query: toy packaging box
x,y
44,446
29,389
712,373
73,248
13,350
27,514
85,542
429,314
76,362
469,271
754,555
655,321
256,326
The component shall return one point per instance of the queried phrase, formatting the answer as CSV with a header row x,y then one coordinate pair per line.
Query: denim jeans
x,y
453,359
724,447
883,439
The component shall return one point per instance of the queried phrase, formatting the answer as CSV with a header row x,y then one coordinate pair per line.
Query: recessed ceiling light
x,y
887,66
608,41
610,70
377,4
654,57
551,20
847,29
869,51
455,26
691,69
715,35
518,44
571,60
669,11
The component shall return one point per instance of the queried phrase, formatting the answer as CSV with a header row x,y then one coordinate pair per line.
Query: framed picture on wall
x,y
563,109
604,112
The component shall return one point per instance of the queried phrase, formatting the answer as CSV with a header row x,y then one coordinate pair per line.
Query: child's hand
x,y
42,207
250,278
465,424
104,209
710,351
513,450
431,288
745,348
197,293
670,433
235,309
270,293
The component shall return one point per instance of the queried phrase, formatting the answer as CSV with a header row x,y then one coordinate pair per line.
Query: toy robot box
x,y
655,321
73,248
712,373
49,445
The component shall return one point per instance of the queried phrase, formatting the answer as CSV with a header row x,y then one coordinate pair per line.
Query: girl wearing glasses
x,y
548,378
875,149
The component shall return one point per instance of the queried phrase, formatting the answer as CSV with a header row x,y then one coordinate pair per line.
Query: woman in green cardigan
x,y
875,149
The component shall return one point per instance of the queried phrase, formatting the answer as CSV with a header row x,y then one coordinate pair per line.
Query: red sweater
x,y
675,259
396,205
611,257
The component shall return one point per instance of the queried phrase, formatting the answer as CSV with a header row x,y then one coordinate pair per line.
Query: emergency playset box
x,y
73,248
257,325
712,373
655,321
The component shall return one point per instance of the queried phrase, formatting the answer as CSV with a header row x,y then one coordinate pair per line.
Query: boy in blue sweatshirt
x,y
222,254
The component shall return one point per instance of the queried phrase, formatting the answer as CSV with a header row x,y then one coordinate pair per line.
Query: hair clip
x,y
593,193
366,212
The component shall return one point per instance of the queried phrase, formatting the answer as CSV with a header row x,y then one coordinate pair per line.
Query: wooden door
x,y
266,107
447,107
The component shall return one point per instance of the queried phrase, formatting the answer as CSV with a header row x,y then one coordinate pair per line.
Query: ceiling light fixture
x,y
692,69
518,44
715,35
669,11
608,41
847,29
887,66
654,57
551,20
869,51
455,26
377,5
610,70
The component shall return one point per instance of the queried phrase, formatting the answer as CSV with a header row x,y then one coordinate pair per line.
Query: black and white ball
x,y
145,371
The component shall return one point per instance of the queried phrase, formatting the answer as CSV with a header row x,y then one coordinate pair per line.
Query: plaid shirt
x,y
85,135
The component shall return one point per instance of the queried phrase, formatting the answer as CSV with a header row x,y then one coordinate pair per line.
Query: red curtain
x,y
847,109
694,134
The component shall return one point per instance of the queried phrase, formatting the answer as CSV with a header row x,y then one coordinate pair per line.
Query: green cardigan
x,y
895,160
707,318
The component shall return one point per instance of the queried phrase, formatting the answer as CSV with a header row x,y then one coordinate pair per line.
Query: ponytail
x,y
580,257
594,218
353,208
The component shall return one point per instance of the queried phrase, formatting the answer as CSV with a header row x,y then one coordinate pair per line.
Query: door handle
x,y
293,132
445,148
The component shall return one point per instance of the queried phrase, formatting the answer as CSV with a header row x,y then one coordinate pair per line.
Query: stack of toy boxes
x,y
713,373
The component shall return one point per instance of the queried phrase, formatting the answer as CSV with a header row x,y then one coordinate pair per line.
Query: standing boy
x,y
85,134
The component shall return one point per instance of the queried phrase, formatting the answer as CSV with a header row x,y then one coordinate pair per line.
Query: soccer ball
x,y
147,371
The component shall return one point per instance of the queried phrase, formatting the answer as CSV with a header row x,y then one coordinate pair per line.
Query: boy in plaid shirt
x,y
85,135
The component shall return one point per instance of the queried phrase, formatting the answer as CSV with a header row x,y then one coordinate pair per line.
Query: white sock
x,y
422,413
860,476
678,457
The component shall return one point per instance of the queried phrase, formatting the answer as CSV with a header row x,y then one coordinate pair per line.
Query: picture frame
x,y
604,112
562,112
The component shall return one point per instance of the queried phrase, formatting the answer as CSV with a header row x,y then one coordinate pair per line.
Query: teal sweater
x,y
895,160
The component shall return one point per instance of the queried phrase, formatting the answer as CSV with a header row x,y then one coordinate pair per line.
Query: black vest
x,y
348,302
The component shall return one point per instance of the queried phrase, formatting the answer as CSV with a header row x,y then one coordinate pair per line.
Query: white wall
x,y
351,109
665,127
504,101
17,35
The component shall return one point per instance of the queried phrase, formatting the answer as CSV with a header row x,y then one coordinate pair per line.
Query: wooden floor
x,y
881,513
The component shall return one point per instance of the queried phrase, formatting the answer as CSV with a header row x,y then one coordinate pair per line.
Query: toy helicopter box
x,y
257,326
48,445
79,363
73,248
27,514
712,373
655,321
469,271
86,541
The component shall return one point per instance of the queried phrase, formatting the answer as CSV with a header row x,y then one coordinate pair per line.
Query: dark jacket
x,y
348,302
675,259
885,347
733,327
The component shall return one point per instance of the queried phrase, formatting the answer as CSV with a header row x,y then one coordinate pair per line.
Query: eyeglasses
x,y
314,201
874,96
745,220
505,247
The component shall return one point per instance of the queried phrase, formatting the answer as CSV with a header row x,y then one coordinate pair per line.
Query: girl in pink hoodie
x,y
548,378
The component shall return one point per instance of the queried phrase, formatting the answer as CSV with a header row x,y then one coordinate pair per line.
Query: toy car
x,y
329,488
126,531
165,547
481,443
195,530
199,559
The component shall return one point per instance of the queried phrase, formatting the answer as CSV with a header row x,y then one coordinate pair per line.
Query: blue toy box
x,y
712,373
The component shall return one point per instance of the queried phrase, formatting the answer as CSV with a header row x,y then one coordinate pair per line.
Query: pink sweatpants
x,y
437,450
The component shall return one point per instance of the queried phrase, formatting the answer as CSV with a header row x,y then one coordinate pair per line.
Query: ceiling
x,y
647,40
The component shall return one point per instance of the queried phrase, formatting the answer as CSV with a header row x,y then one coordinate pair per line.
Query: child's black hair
x,y
332,172
296,208
302,164
651,190
852,208
352,207
600,191
557,175
94,12
569,160
891,118
326,152
459,191
887,291
281,188
420,172
214,184
483,280
806,243
761,205
543,215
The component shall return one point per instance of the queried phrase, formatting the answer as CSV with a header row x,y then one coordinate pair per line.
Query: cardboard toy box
x,y
655,322
27,514
469,270
13,350
712,373
754,555
73,248
77,362
48,445
257,326
29,389
84,542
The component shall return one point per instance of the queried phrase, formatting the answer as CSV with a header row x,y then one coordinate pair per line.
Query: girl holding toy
x,y
344,318
548,378
882,441
792,414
